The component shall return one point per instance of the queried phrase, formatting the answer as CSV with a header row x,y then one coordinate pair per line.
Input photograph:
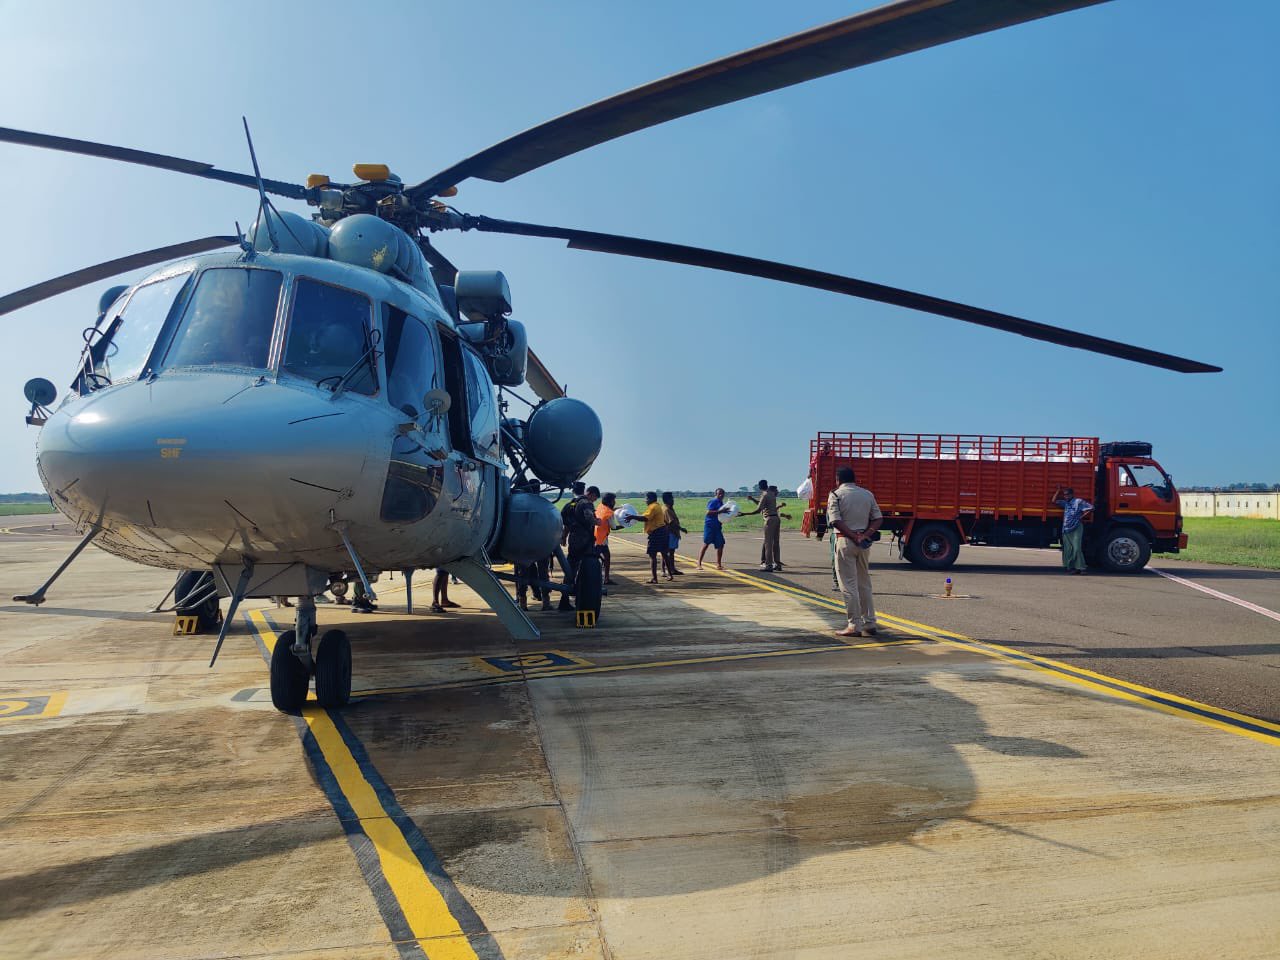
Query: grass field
x,y
691,510
23,509
1236,540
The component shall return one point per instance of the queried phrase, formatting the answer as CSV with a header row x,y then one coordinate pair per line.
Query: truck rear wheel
x,y
934,546
1125,550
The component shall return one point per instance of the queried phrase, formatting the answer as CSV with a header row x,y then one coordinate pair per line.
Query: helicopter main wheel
x,y
333,669
289,677
590,585
196,583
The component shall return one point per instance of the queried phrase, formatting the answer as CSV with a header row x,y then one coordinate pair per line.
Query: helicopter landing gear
x,y
590,584
289,676
333,669
292,665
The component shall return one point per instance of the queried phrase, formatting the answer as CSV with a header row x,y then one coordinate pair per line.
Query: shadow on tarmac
x,y
677,779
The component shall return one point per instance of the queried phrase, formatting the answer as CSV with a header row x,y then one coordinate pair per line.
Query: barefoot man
x,y
712,533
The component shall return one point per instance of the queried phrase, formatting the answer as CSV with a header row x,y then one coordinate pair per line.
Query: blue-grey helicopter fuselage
x,y
219,447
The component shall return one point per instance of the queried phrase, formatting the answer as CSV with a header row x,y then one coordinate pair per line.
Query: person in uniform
x,y
578,518
770,552
854,516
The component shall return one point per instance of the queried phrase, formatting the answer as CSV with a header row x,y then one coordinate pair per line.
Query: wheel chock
x,y
585,618
185,625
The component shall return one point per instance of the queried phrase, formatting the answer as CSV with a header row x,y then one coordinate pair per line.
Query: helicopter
x,y
322,399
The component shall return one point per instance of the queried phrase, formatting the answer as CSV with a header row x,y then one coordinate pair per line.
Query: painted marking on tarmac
x,y
259,694
1216,717
424,911
32,706
529,676
537,660
1217,593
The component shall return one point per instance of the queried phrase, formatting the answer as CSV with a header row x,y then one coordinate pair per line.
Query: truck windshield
x,y
228,320
1146,475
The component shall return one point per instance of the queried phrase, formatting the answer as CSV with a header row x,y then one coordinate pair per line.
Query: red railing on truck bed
x,y
943,476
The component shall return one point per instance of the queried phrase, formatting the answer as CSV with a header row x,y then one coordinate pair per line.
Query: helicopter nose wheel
x,y
289,676
292,664
333,669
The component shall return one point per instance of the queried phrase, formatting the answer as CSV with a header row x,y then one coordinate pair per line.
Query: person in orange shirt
x,y
604,523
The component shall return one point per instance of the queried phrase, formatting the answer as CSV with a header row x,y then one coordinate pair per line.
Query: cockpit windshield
x,y
131,335
228,320
330,338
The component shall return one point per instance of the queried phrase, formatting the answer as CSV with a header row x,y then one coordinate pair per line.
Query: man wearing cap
x,y
854,515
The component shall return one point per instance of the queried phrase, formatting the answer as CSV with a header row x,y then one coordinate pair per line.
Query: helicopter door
x,y
469,415
415,476
455,383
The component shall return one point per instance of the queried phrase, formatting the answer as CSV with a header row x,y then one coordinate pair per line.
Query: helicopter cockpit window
x,y
330,339
483,409
132,334
411,361
228,320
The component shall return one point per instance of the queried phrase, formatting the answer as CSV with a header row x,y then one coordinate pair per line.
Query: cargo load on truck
x,y
938,491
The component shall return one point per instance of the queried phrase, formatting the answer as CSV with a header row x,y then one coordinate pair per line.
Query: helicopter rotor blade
x,y
294,191
888,31
865,289
102,271
540,380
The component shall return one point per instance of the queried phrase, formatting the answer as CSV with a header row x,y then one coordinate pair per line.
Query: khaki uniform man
x,y
854,515
771,549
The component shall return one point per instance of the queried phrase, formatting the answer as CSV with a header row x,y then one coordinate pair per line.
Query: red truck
x,y
938,491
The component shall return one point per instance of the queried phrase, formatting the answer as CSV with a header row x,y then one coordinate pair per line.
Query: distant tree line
x,y
24,498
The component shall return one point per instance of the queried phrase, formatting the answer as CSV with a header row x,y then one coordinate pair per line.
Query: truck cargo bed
x,y
946,476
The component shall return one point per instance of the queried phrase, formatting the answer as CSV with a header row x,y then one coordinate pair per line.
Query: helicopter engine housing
x,y
562,440
368,241
293,234
530,528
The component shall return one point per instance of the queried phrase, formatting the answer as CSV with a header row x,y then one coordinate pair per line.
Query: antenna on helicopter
x,y
264,205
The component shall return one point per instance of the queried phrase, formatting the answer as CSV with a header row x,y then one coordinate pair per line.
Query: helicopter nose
x,y
209,452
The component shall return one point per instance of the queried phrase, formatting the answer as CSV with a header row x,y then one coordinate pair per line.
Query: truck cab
x,y
1136,509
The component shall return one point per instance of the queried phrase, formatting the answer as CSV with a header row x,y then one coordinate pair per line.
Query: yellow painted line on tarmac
x,y
1217,717
425,910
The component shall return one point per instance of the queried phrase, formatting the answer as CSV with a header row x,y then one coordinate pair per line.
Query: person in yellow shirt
x,y
655,528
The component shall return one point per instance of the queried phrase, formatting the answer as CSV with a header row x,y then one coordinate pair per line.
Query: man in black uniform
x,y
579,519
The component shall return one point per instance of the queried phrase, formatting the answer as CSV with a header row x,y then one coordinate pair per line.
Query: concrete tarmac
x,y
707,773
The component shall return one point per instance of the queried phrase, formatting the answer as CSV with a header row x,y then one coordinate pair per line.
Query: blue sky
x,y
1110,170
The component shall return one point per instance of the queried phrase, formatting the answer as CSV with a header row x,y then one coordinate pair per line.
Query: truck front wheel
x,y
1125,550
934,546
